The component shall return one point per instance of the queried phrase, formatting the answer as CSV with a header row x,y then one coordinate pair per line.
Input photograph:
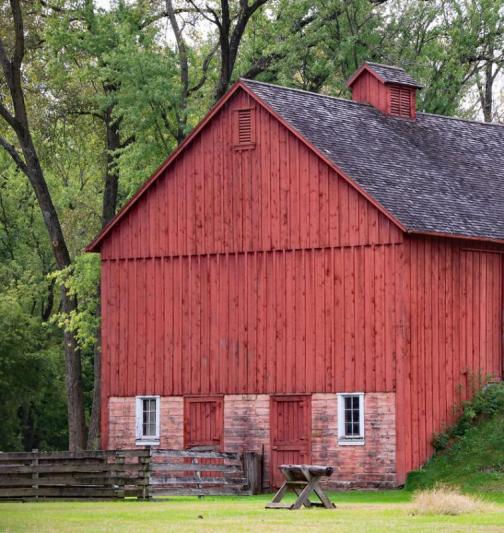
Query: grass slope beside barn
x,y
470,453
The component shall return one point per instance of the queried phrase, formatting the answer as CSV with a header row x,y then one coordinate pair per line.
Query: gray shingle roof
x,y
393,74
435,174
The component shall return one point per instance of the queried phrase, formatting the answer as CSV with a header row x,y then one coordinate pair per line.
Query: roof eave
x,y
369,68
459,236
359,71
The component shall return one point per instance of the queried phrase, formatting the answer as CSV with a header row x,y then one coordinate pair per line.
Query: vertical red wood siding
x,y
214,199
249,271
321,320
453,337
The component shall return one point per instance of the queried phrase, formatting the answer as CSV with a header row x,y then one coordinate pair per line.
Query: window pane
x,y
351,414
149,417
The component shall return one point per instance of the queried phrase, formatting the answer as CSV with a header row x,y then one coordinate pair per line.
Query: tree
x,y
26,159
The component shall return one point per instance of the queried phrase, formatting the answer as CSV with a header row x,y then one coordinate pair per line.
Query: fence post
x,y
146,470
118,476
253,471
35,474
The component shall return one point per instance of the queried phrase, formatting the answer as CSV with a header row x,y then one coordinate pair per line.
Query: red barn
x,y
312,277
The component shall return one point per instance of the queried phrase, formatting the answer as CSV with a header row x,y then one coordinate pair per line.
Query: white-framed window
x,y
147,420
351,418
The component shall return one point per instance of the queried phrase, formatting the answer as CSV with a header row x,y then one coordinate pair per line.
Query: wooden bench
x,y
302,480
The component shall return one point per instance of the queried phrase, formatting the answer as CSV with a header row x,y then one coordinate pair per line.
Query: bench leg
x,y
280,493
322,496
307,502
303,497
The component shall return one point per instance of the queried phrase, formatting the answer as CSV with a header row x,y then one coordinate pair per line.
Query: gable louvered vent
x,y
244,129
400,101
245,126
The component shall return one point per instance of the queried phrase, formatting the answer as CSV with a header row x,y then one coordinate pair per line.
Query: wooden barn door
x,y
204,422
204,426
290,426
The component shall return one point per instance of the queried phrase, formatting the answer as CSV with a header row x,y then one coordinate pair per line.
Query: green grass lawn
x,y
356,512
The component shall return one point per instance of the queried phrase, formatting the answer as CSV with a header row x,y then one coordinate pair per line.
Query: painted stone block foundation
x,y
247,428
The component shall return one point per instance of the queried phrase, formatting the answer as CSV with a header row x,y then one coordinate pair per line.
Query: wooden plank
x,y
70,456
178,491
199,467
70,468
71,480
59,492
187,480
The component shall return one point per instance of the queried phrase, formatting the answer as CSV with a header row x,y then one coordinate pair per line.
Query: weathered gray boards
x,y
116,474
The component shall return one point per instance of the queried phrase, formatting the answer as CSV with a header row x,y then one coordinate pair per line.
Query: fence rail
x,y
141,473
96,474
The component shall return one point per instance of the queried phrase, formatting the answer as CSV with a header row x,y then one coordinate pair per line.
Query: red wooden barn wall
x,y
453,336
249,271
263,271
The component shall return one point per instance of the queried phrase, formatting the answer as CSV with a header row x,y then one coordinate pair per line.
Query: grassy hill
x,y
471,453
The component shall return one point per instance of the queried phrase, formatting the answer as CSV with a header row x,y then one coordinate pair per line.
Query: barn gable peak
x,y
388,88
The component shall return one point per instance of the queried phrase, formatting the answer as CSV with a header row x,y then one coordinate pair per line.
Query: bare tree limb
x,y
204,70
11,150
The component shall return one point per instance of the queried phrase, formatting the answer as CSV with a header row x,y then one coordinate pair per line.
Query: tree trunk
x,y
93,442
111,174
76,420
486,104
109,207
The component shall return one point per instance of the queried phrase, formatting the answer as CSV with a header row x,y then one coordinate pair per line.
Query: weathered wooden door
x,y
290,427
204,422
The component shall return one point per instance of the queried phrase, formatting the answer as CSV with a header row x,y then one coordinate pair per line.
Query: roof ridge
x,y
383,65
339,98
346,100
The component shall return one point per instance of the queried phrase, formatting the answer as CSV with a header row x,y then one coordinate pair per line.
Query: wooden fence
x,y
140,473
204,473
89,474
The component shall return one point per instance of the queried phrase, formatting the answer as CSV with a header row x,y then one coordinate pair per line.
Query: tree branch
x,y
19,42
11,150
8,117
204,70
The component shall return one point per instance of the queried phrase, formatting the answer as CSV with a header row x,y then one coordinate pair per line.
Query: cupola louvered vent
x,y
244,129
400,101
389,89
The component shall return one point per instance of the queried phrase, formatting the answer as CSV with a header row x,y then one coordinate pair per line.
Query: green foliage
x,y
469,454
81,279
32,402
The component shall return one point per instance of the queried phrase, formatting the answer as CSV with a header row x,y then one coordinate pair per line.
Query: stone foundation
x,y
371,465
122,431
247,427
